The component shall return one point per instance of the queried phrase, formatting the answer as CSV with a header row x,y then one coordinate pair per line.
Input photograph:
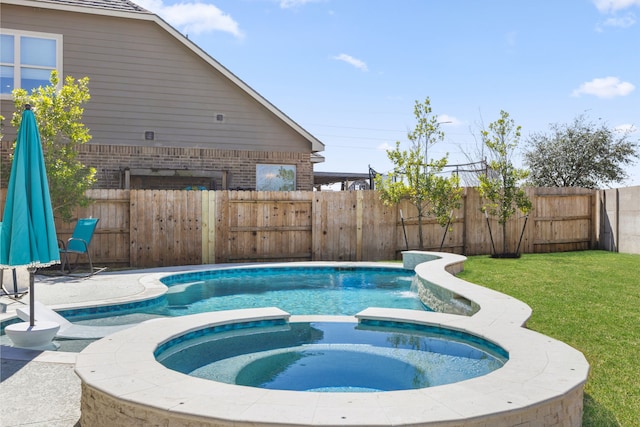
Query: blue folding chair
x,y
78,244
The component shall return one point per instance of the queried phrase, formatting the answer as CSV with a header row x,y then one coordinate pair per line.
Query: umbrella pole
x,y
32,298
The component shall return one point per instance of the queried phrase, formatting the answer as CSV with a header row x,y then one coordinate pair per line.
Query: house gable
x,y
128,40
152,87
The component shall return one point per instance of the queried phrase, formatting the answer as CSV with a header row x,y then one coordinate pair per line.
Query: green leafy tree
x,y
580,154
502,196
419,180
1,126
4,171
58,111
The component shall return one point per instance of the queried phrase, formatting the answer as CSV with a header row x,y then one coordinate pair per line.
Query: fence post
x,y
595,219
359,220
134,256
530,232
208,227
617,190
465,220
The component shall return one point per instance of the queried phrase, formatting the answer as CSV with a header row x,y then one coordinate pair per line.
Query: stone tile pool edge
x,y
542,383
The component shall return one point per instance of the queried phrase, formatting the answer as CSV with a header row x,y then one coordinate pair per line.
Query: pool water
x,y
303,290
297,290
332,357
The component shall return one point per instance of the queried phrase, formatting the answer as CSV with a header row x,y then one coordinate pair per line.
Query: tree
x,y
58,111
3,171
419,180
580,154
499,187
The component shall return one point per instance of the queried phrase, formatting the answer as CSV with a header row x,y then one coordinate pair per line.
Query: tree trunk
x,y
504,238
420,241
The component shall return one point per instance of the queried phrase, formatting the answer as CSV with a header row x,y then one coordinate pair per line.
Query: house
x,y
163,113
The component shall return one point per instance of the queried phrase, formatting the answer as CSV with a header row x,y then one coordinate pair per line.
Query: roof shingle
x,y
114,5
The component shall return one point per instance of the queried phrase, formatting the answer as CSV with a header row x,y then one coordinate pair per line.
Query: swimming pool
x,y
332,290
332,356
297,290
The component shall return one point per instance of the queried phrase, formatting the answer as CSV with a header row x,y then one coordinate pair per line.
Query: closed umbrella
x,y
28,233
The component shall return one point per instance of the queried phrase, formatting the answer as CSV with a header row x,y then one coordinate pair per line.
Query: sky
x,y
350,71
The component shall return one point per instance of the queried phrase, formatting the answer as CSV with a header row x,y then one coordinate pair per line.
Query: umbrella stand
x,y
32,298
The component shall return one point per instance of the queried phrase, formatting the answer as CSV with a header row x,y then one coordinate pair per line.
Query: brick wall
x,y
239,165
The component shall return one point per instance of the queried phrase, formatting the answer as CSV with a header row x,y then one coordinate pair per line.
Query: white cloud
x,y
289,4
609,6
623,22
449,120
386,146
194,17
361,65
607,87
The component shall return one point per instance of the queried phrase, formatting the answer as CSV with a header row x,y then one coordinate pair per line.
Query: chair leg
x,y
90,264
15,294
65,261
68,267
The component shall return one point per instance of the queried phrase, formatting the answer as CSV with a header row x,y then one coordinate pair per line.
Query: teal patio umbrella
x,y
27,232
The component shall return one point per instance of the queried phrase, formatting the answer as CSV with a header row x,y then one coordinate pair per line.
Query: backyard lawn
x,y
591,301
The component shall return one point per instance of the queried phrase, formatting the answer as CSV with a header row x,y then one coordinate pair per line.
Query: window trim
x,y
17,64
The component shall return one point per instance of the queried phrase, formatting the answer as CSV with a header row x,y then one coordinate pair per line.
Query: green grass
x,y
591,301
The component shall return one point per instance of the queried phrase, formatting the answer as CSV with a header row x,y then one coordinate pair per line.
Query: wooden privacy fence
x,y
150,228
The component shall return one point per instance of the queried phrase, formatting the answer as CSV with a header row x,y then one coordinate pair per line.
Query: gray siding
x,y
144,79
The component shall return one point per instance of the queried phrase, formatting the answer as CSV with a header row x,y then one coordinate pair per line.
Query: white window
x,y
27,59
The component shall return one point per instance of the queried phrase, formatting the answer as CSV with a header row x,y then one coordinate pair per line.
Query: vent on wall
x,y
218,117
149,135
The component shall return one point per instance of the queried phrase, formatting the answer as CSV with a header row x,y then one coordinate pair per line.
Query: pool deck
x,y
40,388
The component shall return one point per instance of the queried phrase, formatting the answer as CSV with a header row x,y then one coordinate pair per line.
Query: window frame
x,y
17,63
265,169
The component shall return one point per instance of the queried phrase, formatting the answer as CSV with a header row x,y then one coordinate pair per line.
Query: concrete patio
x,y
40,388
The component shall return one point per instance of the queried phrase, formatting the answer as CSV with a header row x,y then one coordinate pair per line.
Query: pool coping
x,y
542,381
438,270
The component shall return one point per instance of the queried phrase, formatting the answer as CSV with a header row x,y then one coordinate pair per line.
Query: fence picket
x,y
148,228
